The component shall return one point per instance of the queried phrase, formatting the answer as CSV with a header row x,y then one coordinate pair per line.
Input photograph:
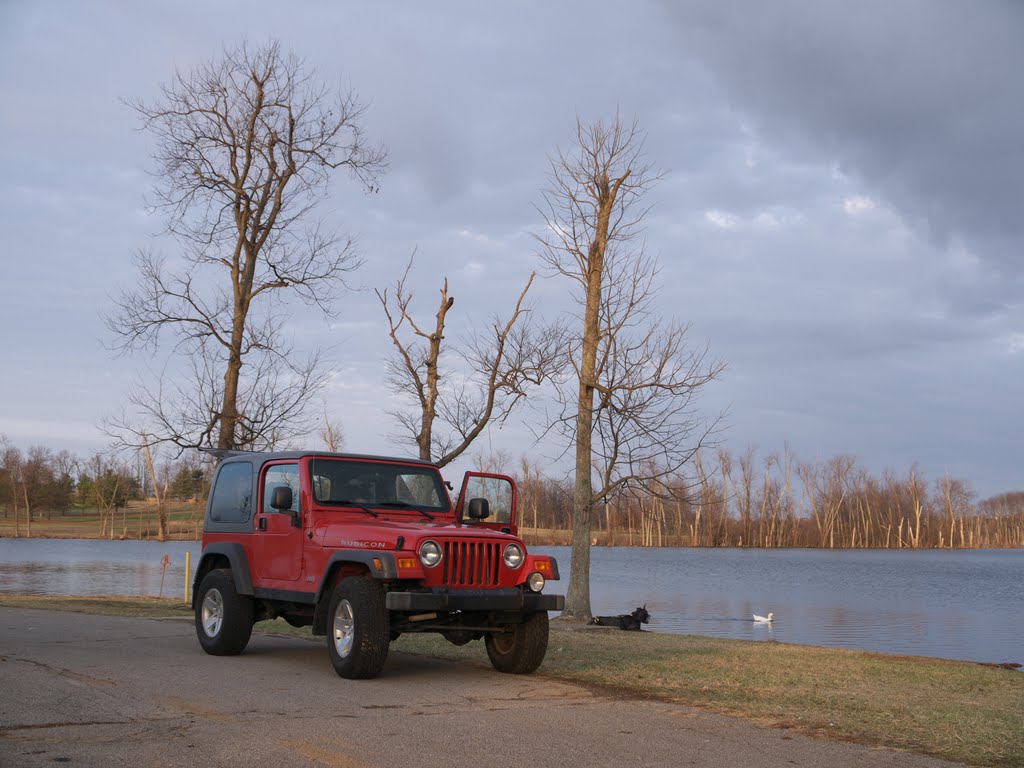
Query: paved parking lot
x,y
107,691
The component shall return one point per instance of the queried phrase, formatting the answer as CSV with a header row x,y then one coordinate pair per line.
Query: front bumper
x,y
505,600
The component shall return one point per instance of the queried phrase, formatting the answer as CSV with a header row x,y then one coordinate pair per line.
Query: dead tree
x,y
492,373
627,411
245,148
331,433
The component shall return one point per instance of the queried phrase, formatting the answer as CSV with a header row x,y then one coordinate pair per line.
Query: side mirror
x,y
479,509
281,499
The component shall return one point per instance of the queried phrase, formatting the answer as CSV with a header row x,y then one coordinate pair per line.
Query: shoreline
x,y
532,539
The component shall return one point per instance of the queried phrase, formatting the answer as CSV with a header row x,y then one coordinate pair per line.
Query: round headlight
x,y
430,554
535,582
513,556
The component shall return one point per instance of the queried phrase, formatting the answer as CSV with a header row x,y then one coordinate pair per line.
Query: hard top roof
x,y
230,454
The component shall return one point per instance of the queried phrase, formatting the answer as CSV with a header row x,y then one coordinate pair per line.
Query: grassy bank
x,y
956,710
136,521
138,607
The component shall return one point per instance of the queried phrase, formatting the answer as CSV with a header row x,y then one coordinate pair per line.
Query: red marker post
x,y
165,562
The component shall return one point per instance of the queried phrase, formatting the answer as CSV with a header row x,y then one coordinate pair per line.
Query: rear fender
x,y
217,556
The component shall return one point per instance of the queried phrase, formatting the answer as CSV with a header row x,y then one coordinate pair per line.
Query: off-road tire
x,y
358,629
520,650
224,618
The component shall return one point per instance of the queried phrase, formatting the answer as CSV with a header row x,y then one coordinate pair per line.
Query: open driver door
x,y
499,491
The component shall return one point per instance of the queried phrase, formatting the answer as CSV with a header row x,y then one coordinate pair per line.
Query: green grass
x,y
955,710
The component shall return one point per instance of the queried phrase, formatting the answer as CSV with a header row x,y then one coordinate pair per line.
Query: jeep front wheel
x,y
520,649
358,630
223,617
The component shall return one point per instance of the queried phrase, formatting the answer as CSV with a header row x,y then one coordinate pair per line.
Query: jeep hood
x,y
384,535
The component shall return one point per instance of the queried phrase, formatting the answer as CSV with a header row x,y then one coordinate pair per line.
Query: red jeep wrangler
x,y
362,549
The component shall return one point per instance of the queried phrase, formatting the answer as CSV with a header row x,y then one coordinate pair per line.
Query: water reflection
x,y
85,567
948,604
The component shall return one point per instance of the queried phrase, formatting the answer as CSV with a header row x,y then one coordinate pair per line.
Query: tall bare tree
x,y
245,148
498,365
159,494
628,410
11,464
331,432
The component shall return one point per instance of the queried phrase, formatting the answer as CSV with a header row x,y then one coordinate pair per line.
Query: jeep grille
x,y
471,563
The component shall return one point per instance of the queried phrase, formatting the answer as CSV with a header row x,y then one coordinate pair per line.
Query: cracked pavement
x,y
111,691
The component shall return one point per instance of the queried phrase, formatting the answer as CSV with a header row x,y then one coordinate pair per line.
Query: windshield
x,y
359,483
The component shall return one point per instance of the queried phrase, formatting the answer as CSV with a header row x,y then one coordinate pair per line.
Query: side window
x,y
232,495
281,474
498,493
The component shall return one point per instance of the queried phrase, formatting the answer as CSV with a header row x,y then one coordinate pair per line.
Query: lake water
x,y
959,604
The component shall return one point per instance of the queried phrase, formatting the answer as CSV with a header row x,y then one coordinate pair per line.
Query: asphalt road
x,y
108,691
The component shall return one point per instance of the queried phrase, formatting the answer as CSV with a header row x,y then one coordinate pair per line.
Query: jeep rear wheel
x,y
521,649
223,617
358,630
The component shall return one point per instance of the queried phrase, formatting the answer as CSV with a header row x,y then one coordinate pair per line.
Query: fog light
x,y
535,582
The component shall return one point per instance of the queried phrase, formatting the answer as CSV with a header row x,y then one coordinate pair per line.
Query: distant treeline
x,y
42,484
725,501
778,501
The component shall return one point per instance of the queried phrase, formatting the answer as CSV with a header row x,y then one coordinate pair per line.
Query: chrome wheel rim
x,y
344,628
212,612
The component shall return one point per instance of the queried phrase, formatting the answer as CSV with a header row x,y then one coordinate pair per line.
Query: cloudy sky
x,y
842,217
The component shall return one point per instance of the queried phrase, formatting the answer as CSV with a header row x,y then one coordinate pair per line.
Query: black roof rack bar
x,y
225,453
229,453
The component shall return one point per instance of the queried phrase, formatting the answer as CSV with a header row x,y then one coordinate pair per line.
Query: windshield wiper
x,y
357,505
405,505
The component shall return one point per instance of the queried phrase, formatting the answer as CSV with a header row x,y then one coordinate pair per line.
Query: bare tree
x,y
331,433
245,148
65,467
12,464
36,475
826,488
108,481
498,366
957,501
159,494
129,437
629,407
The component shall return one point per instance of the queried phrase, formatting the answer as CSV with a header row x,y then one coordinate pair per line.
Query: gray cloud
x,y
839,217
921,100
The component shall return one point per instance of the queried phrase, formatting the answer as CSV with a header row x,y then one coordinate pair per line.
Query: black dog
x,y
628,621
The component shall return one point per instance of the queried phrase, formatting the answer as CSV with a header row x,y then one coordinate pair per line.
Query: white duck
x,y
764,619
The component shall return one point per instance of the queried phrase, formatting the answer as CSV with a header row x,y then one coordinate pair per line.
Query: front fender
x,y
545,564
381,566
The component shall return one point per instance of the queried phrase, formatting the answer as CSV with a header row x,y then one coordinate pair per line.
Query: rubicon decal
x,y
363,544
